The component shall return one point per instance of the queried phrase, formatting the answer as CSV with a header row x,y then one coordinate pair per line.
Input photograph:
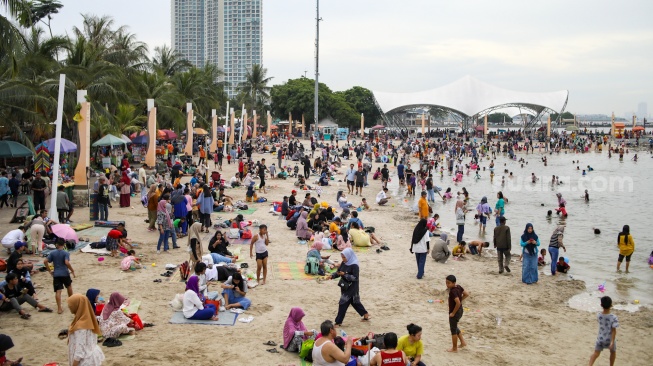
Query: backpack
x,y
312,265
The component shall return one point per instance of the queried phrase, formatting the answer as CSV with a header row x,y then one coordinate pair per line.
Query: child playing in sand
x,y
540,259
460,250
364,204
607,337
130,261
476,246
456,296
562,266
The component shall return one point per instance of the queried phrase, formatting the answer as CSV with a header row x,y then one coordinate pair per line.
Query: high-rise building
x,y
226,33
642,111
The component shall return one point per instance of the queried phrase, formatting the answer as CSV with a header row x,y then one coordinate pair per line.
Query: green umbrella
x,y
12,149
110,140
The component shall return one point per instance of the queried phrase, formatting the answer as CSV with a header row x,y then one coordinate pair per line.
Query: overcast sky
x,y
599,50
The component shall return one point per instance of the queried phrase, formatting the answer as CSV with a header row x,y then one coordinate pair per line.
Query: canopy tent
x,y
619,125
469,97
136,134
66,146
110,140
12,149
126,139
638,128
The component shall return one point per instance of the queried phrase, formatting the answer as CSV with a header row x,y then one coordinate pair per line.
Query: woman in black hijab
x,y
5,344
420,245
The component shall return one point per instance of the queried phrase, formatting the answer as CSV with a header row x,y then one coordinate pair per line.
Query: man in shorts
x,y
350,176
360,180
60,260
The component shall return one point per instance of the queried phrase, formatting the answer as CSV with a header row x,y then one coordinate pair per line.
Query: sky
x,y
599,50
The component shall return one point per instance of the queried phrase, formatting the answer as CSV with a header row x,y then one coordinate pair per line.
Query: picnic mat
x,y
95,231
224,318
88,249
239,241
291,271
80,245
133,306
127,337
250,210
81,226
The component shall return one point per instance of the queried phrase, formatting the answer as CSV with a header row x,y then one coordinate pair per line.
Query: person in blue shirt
x,y
60,260
14,185
400,173
4,189
354,218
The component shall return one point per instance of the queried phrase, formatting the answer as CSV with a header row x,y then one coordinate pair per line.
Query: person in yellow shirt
x,y
423,207
334,227
412,345
626,247
460,250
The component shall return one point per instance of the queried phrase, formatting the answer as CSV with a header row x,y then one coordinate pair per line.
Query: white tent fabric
x,y
469,96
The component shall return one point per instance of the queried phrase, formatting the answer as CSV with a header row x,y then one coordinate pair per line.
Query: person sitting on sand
x,y
12,295
113,322
364,204
411,344
540,260
24,278
5,344
194,307
440,251
295,332
235,289
303,232
218,244
360,238
562,265
460,250
334,226
130,261
315,251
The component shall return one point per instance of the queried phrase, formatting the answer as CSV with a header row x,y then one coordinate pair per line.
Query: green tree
x,y
37,11
565,115
362,101
497,118
297,96
343,112
169,61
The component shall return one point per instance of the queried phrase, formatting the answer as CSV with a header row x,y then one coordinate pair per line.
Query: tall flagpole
x,y
226,123
57,147
317,64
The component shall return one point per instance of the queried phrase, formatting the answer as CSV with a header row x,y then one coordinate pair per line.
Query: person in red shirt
x,y
389,356
241,169
456,296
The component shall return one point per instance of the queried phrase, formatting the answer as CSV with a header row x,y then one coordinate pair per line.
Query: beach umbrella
x,y
136,134
65,232
66,146
220,129
126,139
166,134
378,127
12,149
110,140
200,131
638,128
142,139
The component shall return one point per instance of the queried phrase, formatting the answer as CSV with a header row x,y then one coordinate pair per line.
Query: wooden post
x,y
84,128
290,122
150,155
214,130
232,131
243,128
423,124
362,125
254,117
303,128
269,132
189,129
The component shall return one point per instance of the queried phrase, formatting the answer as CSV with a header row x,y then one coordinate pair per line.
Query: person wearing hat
x,y
292,200
440,251
19,249
503,244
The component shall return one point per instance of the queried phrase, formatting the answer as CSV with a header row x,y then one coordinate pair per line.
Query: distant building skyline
x,y
642,111
225,33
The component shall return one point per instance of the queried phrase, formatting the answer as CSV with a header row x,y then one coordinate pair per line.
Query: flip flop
x,y
272,350
270,343
385,247
379,251
112,342
366,319
46,310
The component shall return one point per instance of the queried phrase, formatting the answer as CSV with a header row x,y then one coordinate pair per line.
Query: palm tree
x,y
9,35
37,11
169,61
255,86
127,120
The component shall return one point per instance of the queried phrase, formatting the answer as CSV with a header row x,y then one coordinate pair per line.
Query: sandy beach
x,y
536,325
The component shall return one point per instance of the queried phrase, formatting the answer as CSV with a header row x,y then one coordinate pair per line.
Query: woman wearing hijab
x,y
235,289
420,246
125,190
294,331
349,286
483,209
195,244
303,232
626,247
83,349
194,307
6,343
529,242
113,321
152,202
205,205
164,223
178,200
554,247
315,210
92,295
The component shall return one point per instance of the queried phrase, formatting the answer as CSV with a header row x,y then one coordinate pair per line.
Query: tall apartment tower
x,y
226,33
642,111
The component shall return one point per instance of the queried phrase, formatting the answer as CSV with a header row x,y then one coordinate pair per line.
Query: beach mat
x,y
109,224
80,245
127,337
81,226
88,249
291,271
239,241
250,210
225,318
95,231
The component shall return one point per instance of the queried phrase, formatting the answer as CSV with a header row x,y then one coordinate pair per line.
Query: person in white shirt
x,y
382,197
142,175
194,307
12,237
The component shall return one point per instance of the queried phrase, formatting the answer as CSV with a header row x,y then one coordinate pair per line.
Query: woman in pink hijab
x,y
294,331
113,322
125,190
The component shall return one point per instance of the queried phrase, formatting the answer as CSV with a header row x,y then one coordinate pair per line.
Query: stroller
x,y
22,211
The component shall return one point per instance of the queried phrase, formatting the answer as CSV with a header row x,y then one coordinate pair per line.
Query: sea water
x,y
620,194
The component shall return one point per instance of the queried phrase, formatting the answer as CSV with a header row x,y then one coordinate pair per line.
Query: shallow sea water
x,y
620,194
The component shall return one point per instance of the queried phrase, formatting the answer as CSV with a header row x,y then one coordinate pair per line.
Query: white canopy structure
x,y
470,97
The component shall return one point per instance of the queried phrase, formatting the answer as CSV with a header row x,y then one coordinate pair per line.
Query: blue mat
x,y
225,318
78,247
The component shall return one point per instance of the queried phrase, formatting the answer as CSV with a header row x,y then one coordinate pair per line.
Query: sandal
x,y
46,310
25,316
111,342
366,318
63,334
272,350
385,247
379,251
270,343
159,280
